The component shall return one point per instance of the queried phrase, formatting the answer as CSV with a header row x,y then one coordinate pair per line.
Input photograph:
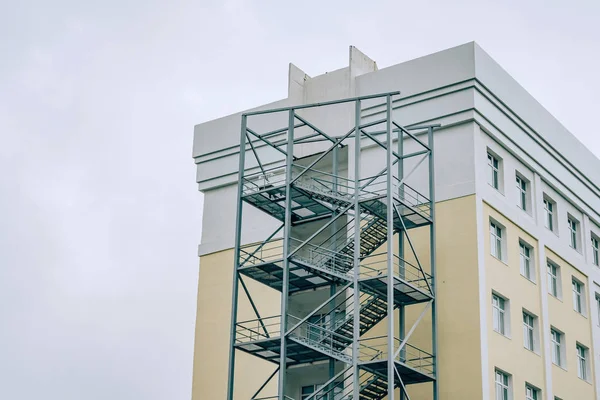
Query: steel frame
x,y
374,217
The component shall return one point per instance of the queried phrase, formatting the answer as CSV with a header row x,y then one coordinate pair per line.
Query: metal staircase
x,y
348,249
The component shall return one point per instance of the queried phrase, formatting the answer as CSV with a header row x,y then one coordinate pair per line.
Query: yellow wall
x,y
509,353
212,331
576,327
459,355
459,346
504,278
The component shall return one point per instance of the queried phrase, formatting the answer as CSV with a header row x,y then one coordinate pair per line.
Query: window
x,y
582,372
531,393
573,232
595,251
598,307
525,258
502,385
553,280
528,328
307,391
499,314
557,347
496,240
578,302
522,185
549,211
494,171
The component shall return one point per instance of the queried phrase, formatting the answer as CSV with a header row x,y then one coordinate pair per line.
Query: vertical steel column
x,y
390,253
286,251
332,287
356,294
432,255
236,260
401,271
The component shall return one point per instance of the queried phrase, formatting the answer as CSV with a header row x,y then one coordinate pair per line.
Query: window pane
x,y
555,337
553,280
577,299
498,314
548,208
573,232
528,331
582,362
495,240
525,261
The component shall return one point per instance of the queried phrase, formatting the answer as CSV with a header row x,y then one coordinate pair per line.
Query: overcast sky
x,y
100,214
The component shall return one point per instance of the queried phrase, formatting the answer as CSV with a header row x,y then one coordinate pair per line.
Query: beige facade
x,y
458,329
507,350
459,316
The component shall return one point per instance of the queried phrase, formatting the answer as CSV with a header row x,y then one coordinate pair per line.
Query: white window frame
x,y
526,260
557,347
529,331
554,279
595,250
550,213
500,314
494,170
502,385
304,396
578,289
582,362
523,192
574,232
597,297
531,392
497,240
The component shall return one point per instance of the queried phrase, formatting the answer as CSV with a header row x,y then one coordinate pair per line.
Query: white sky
x,y
99,208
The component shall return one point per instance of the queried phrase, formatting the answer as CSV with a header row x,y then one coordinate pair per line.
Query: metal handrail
x,y
261,253
403,269
410,355
258,329
377,185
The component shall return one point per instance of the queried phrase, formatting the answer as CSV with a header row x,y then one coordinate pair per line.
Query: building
x,y
505,307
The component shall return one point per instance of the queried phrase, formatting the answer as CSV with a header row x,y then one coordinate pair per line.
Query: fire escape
x,y
356,242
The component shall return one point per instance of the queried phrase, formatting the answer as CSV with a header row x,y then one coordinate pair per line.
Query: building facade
x,y
514,303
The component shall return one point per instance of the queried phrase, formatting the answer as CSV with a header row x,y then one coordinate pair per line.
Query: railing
x,y
336,186
376,265
272,398
315,255
319,256
376,349
260,253
342,313
325,183
343,387
414,199
258,181
258,329
321,337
